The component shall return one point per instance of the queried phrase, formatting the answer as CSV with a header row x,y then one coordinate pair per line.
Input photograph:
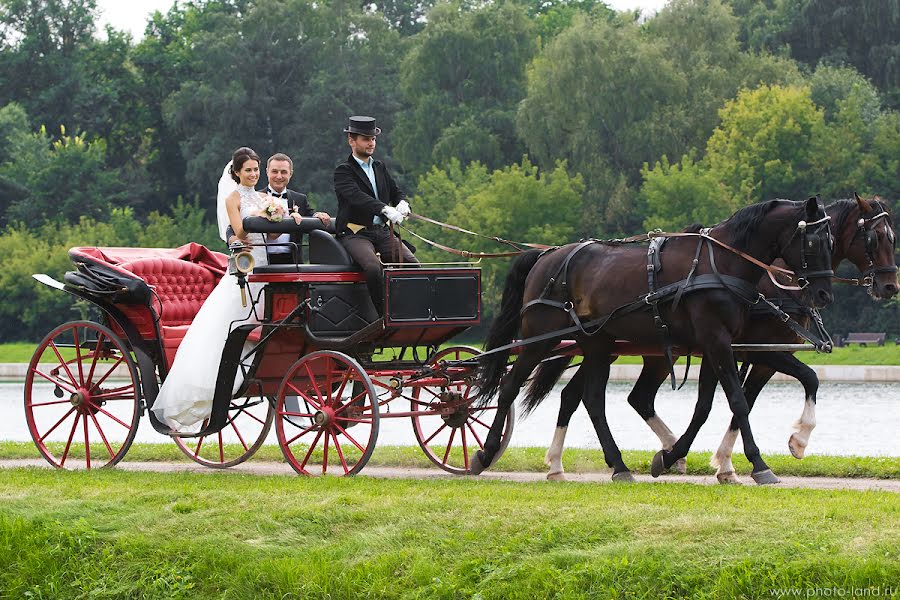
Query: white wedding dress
x,y
185,398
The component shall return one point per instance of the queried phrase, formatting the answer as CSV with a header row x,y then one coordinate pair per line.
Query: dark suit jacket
x,y
355,196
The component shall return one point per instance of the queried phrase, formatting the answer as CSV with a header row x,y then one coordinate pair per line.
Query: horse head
x,y
869,242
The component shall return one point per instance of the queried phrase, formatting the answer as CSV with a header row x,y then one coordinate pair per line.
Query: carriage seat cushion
x,y
182,287
326,255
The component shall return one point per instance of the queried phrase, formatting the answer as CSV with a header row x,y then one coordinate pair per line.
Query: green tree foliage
x,y
60,181
684,193
462,78
515,200
768,145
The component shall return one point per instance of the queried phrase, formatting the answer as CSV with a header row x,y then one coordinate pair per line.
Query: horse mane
x,y
843,207
744,223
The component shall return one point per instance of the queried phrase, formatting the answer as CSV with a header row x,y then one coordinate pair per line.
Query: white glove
x,y
392,214
403,207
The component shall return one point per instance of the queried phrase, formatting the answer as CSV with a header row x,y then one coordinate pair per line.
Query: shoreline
x,y
15,372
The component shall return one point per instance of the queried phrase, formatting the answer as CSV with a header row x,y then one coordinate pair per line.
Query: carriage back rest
x,y
181,285
324,249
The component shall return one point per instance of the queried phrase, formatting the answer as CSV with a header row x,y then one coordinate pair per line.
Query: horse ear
x,y
864,206
812,207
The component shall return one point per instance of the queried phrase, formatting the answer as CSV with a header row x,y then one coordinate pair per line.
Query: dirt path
x,y
274,468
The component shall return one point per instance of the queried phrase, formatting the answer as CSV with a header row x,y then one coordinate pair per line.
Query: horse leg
x,y
723,359
509,389
642,399
706,391
787,363
597,376
570,398
757,378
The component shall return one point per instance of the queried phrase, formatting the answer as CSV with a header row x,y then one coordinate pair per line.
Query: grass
x,y
121,534
889,354
576,460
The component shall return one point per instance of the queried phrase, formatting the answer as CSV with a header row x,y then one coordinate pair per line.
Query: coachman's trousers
x,y
363,246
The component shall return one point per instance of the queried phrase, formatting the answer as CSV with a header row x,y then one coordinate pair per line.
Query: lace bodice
x,y
251,201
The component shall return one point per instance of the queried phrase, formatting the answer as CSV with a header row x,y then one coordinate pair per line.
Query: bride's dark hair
x,y
240,156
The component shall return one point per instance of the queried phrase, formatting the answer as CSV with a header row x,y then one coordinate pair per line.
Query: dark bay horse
x,y
601,285
864,235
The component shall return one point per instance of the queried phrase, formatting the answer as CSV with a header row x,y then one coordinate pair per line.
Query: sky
x,y
131,15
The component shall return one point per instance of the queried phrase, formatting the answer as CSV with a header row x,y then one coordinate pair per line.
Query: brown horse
x,y
864,236
601,285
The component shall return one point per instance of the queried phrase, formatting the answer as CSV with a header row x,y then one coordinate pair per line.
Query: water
x,y
852,419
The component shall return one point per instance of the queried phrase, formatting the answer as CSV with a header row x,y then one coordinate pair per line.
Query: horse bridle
x,y
867,228
810,247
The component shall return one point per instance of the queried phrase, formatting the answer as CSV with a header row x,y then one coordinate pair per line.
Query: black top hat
x,y
363,126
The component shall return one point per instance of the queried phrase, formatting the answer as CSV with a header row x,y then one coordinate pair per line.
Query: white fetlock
x,y
802,430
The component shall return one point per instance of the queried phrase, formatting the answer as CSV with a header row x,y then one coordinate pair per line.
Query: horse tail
x,y
543,380
506,324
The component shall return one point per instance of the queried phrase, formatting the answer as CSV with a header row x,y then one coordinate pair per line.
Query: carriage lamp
x,y
239,264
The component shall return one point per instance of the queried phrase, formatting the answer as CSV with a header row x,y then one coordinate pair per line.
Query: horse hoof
x,y
476,465
556,476
623,477
728,478
657,465
797,449
766,477
680,466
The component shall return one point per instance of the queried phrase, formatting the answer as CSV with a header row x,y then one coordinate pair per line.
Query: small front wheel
x,y
82,396
326,415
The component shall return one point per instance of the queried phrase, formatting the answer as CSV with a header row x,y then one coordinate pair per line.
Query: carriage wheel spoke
x,y
356,399
102,436
310,451
337,447
344,381
325,455
349,437
440,429
301,434
56,381
109,371
94,360
64,417
449,445
110,415
306,398
240,437
328,399
64,364
312,380
475,435
69,442
462,431
221,447
126,393
87,444
296,414
78,354
32,404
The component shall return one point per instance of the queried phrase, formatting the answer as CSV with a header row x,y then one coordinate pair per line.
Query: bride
x,y
185,398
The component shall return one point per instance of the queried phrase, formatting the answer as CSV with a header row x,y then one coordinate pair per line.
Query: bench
x,y
863,339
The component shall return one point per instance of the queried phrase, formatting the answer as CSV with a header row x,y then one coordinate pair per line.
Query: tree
x,y
462,79
683,194
769,145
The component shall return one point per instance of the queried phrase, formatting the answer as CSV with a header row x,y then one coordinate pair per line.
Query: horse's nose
x,y
824,298
890,290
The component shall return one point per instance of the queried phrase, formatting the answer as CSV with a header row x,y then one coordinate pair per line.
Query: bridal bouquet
x,y
273,210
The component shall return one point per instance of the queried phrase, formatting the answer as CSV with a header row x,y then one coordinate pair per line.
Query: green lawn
x,y
889,354
576,460
118,534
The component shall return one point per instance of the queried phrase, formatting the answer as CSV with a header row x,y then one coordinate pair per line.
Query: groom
x,y
279,170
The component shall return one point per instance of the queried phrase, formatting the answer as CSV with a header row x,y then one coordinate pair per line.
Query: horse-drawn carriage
x,y
321,364
325,368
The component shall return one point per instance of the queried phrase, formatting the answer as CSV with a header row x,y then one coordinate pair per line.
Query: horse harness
x,y
746,292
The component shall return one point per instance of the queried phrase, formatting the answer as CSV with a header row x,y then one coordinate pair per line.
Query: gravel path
x,y
274,468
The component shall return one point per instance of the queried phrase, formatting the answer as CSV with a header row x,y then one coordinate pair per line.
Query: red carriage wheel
x,y
249,422
326,415
82,396
451,430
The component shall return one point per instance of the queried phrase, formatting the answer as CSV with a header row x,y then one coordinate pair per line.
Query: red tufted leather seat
x,y
182,287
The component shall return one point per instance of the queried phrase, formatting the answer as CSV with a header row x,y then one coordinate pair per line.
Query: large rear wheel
x,y
450,429
326,415
249,423
82,396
